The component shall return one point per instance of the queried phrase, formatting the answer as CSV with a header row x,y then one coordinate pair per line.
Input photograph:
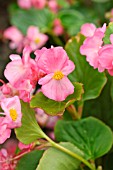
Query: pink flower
x,y
52,4
26,4
16,37
58,28
5,132
56,64
5,160
88,29
106,58
7,90
91,47
12,111
22,73
34,38
40,4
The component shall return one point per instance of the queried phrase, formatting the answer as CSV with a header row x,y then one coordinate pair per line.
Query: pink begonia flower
x,y
5,160
39,4
57,27
91,47
106,58
25,4
12,111
88,29
22,73
34,38
53,5
23,146
7,90
56,64
5,132
12,33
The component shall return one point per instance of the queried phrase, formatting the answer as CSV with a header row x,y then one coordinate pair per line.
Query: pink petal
x,y
32,32
14,72
88,29
106,56
58,90
12,33
53,59
69,68
45,79
26,54
14,57
26,4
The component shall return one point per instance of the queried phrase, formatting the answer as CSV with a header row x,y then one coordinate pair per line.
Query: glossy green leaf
x,y
29,161
92,80
30,130
89,134
22,19
57,160
102,107
108,32
52,107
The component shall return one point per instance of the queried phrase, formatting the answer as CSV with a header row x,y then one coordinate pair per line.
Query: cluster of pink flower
x,y
7,154
8,158
50,69
39,4
97,54
33,38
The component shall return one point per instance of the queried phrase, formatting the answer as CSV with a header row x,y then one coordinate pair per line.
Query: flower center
x,y
37,40
13,114
58,75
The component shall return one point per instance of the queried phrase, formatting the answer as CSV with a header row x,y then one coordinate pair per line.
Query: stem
x,y
68,152
16,157
80,108
73,112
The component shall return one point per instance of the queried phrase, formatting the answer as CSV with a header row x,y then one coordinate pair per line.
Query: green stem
x,y
73,112
68,152
80,108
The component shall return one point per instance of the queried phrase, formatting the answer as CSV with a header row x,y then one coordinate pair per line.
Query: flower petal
x,y
58,89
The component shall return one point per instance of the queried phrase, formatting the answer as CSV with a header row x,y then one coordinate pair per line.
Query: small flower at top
x,y
34,38
15,36
56,64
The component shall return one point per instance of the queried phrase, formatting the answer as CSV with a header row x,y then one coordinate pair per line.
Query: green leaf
x,y
100,1
102,107
53,107
58,160
29,161
71,20
89,134
30,130
22,19
108,32
92,80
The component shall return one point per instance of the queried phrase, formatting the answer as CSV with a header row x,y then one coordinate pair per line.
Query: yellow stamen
x,y
58,75
37,40
13,114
